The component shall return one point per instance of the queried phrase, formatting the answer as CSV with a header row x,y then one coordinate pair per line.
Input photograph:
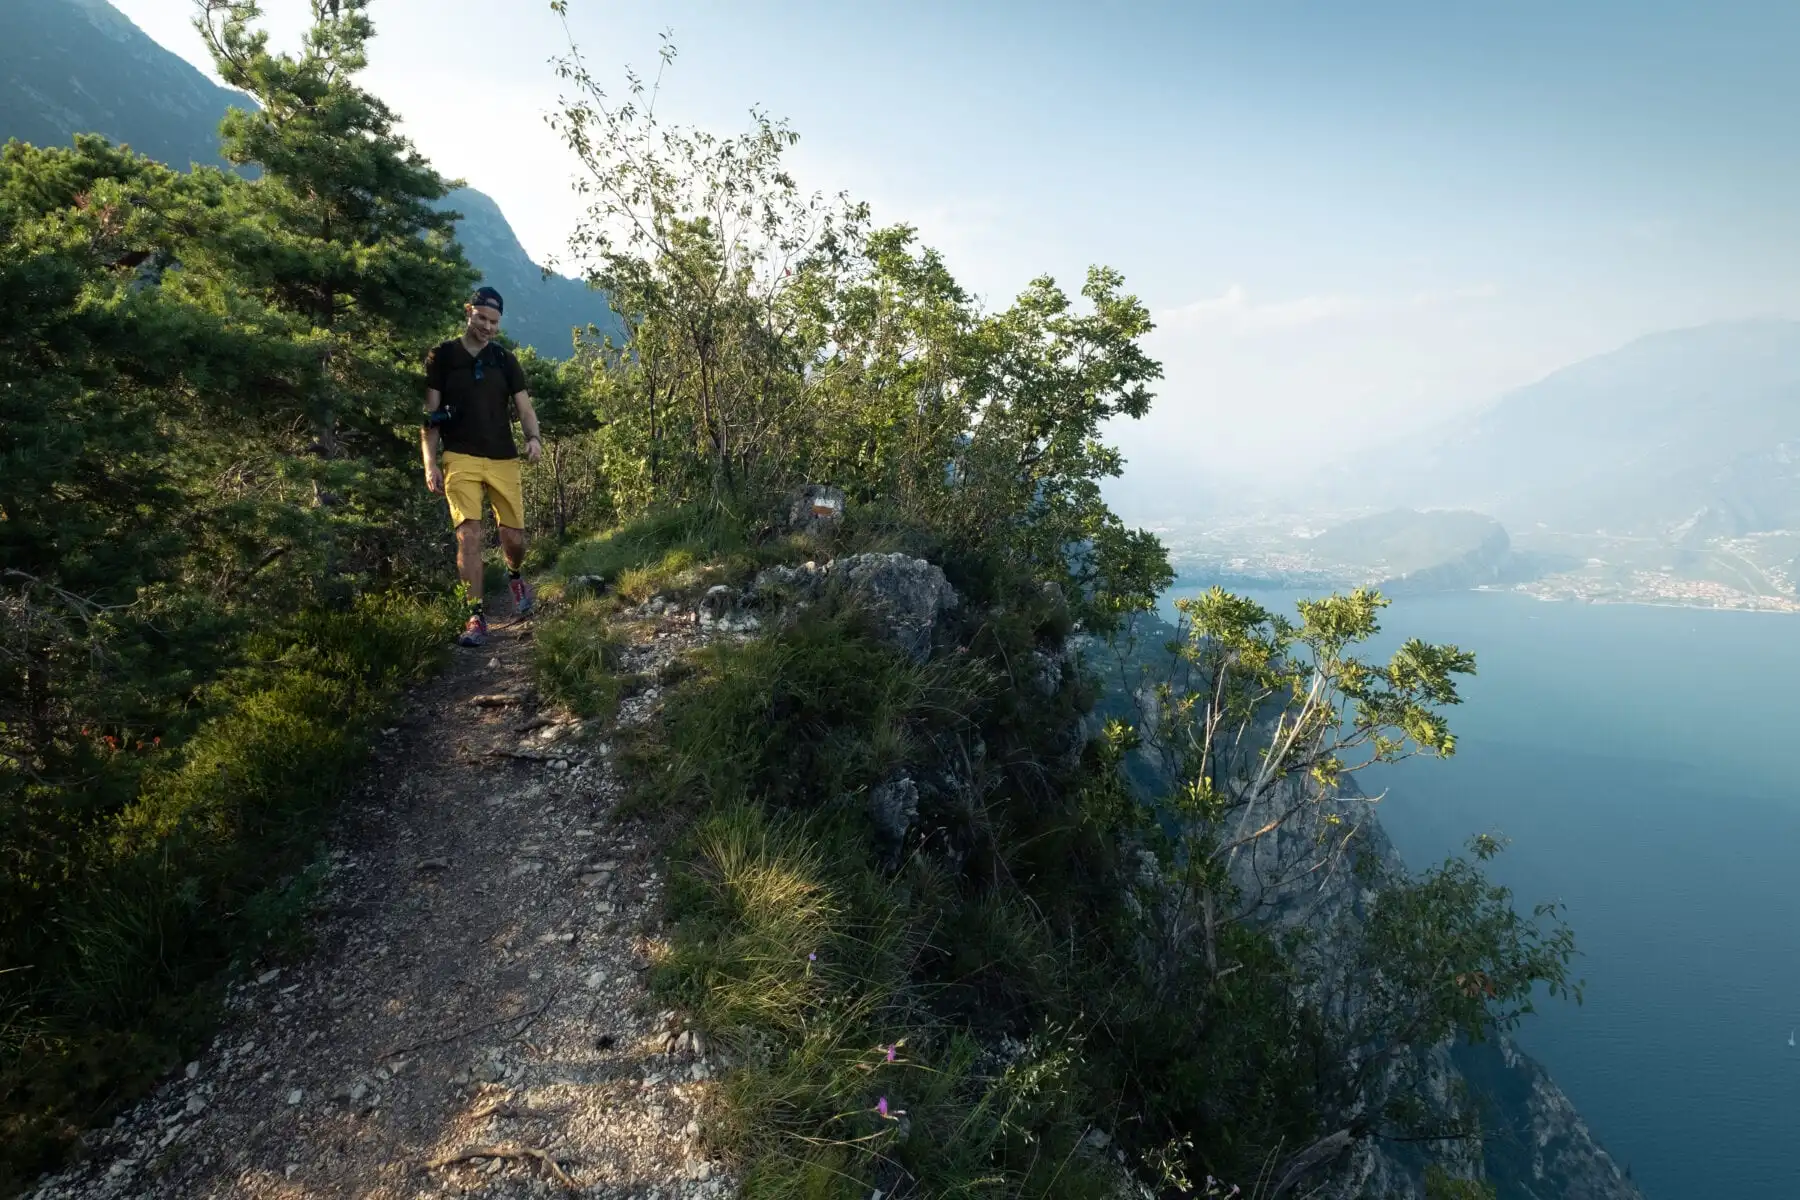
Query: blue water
x,y
1642,763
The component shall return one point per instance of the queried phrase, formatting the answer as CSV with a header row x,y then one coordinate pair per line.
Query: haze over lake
x,y
1638,760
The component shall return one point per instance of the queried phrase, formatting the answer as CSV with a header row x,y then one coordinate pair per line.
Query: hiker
x,y
468,381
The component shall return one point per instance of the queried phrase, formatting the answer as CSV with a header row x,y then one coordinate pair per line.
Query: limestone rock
x,y
894,807
906,596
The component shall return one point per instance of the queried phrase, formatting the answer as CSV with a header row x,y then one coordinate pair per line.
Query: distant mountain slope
x,y
81,66
1402,541
540,311
1696,425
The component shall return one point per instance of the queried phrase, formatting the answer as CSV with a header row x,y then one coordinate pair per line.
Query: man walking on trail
x,y
469,382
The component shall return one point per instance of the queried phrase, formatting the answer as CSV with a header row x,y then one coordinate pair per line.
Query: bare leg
x,y
512,545
468,557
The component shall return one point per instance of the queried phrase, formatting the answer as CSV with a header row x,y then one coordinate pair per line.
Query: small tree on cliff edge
x,y
700,241
774,336
1265,721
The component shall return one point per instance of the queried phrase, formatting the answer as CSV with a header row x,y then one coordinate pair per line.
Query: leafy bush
x,y
113,971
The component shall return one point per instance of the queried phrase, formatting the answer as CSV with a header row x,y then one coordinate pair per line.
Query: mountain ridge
x,y
1637,440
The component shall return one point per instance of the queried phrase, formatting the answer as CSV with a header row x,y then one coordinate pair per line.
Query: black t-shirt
x,y
482,425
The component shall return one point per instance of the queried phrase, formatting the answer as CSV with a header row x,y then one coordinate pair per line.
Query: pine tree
x,y
344,241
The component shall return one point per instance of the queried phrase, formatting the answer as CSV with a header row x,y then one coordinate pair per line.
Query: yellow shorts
x,y
465,475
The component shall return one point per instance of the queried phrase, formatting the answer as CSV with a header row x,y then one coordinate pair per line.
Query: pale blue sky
x,y
1347,217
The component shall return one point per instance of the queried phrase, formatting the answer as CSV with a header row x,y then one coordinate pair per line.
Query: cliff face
x,y
1541,1149
1535,1145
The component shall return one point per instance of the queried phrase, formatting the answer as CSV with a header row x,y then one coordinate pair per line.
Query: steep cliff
x,y
1534,1145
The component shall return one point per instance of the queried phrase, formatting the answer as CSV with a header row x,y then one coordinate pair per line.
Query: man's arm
x,y
534,444
429,443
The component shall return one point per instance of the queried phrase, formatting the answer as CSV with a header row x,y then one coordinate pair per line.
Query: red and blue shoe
x,y
475,632
523,597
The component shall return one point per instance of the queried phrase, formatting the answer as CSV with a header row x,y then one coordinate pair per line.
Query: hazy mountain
x,y
1693,433
540,311
81,66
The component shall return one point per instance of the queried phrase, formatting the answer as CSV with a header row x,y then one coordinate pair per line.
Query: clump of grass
x,y
798,956
578,660
677,552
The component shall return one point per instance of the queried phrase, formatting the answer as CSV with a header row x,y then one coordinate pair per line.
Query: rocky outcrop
x,y
906,598
1490,561
1537,1148
894,809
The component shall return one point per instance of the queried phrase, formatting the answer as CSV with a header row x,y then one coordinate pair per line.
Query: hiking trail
x,y
473,1017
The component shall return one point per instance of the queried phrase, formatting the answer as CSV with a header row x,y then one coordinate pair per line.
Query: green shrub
x,y
1009,929
207,865
817,711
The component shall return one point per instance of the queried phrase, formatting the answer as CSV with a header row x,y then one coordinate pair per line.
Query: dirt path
x,y
478,984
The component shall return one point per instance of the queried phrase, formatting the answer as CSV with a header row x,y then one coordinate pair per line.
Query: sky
x,y
1348,220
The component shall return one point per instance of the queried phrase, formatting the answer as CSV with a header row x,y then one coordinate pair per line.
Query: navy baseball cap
x,y
489,297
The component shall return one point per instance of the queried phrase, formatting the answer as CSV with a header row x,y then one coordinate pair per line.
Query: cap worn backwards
x,y
489,298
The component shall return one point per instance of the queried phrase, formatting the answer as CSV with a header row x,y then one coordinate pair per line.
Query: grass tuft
x,y
578,660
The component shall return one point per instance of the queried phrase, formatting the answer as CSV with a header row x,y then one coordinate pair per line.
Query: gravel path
x,y
473,1020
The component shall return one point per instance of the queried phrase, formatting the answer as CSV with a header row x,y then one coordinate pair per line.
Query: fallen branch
x,y
525,755
497,700
511,1152
528,1017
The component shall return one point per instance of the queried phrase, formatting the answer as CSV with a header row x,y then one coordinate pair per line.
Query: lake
x,y
1641,762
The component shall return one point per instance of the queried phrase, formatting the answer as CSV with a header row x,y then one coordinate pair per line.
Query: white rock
x,y
295,1096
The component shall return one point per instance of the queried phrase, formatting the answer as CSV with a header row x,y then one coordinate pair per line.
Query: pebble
x,y
295,1096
